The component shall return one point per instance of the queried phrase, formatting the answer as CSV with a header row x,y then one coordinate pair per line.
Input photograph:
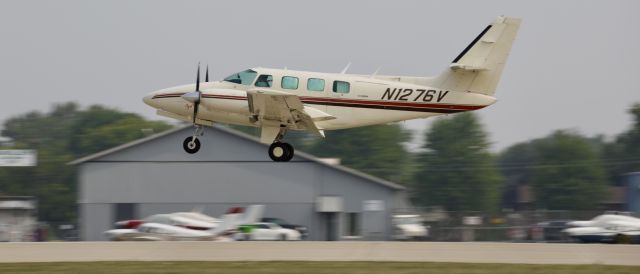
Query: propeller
x,y
195,96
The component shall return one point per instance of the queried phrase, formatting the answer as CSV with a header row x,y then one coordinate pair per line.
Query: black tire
x,y
247,237
622,239
190,147
283,237
280,152
289,152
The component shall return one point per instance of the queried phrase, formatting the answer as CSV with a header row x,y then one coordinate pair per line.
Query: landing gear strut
x,y
191,144
281,152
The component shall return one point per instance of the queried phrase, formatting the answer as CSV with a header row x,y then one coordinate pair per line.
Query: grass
x,y
304,268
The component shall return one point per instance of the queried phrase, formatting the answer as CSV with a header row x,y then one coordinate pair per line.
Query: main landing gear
x,y
281,152
278,150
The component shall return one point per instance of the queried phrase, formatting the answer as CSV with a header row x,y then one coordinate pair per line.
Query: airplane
x,y
165,232
166,227
192,220
280,100
605,228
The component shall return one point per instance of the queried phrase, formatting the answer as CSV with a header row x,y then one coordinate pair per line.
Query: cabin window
x,y
243,78
315,84
341,87
289,82
264,81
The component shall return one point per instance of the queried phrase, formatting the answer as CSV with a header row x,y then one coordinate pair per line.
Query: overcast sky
x,y
575,64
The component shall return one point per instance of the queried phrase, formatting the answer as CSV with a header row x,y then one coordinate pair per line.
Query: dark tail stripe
x,y
472,44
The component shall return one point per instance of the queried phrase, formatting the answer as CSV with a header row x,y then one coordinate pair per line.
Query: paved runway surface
x,y
475,252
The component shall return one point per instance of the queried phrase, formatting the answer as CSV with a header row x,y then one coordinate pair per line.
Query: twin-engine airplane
x,y
279,100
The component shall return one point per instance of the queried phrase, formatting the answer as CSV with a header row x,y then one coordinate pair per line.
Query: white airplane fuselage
x,y
370,101
278,100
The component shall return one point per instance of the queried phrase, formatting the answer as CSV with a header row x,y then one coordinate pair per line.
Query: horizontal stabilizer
x,y
456,66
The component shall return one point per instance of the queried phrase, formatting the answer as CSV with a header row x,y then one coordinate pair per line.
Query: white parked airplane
x,y
611,228
278,100
165,232
171,227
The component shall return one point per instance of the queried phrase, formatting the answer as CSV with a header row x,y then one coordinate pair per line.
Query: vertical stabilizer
x,y
252,214
479,66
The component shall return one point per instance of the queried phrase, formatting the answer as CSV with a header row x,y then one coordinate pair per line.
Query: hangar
x,y
154,175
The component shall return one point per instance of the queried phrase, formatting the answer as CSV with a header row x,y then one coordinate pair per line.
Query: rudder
x,y
479,66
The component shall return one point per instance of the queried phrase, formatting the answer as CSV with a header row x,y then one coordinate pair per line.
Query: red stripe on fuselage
x,y
350,102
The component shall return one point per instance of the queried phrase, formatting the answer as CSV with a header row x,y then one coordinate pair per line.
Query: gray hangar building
x,y
154,175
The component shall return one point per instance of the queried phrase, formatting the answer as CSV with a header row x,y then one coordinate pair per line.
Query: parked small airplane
x,y
165,232
607,228
278,100
178,226
192,220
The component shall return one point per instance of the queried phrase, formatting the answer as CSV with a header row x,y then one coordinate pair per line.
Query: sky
x,y
574,65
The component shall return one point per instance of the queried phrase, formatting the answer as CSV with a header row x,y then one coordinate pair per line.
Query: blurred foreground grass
x,y
304,268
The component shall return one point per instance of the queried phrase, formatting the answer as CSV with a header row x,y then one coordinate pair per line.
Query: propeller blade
x,y
198,78
195,96
206,80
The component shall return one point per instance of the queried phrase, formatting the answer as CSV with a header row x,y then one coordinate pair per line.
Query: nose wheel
x,y
191,145
281,152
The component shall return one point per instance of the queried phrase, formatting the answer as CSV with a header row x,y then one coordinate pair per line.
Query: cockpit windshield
x,y
243,78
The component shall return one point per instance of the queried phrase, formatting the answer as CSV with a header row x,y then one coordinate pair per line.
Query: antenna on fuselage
x,y
344,70
375,73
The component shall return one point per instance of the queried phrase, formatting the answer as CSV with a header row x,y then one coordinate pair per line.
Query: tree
x,y
377,150
623,154
568,172
60,136
456,170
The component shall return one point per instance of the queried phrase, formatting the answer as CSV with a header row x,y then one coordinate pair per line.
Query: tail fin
x,y
252,214
235,217
479,66
228,222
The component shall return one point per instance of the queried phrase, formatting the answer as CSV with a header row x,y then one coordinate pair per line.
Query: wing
x,y
275,108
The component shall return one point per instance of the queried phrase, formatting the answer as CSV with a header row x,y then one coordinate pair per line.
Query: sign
x,y
17,157
329,204
373,205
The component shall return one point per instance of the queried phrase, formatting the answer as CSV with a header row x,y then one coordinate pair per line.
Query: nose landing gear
x,y
191,144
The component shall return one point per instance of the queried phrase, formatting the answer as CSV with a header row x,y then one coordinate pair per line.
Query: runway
x,y
475,252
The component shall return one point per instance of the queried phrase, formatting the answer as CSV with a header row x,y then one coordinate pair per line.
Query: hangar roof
x,y
240,135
